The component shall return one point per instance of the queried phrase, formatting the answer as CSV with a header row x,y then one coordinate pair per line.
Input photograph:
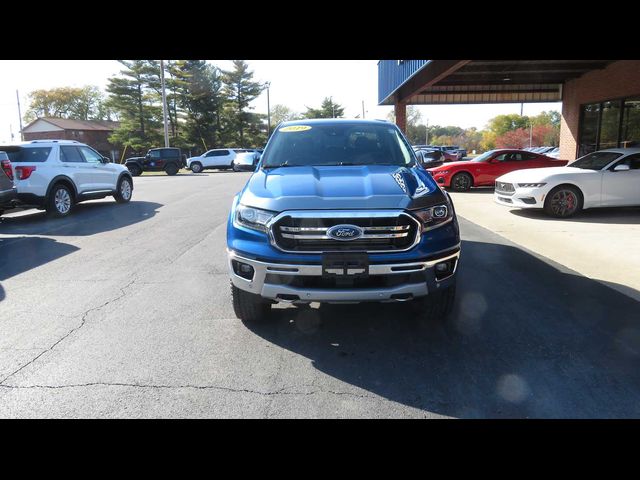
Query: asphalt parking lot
x,y
124,311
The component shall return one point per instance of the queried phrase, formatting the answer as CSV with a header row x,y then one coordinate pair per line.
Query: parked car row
x,y
529,179
223,159
451,153
54,175
553,152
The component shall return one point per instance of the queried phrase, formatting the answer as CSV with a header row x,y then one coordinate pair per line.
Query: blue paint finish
x,y
392,74
358,187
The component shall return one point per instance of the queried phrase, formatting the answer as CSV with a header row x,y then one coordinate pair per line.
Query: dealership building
x,y
600,98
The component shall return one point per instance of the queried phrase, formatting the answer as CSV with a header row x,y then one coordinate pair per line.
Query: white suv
x,y
56,174
221,158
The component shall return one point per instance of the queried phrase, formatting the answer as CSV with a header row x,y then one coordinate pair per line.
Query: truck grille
x,y
381,231
505,188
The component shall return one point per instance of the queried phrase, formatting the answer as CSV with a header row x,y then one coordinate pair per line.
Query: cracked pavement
x,y
123,311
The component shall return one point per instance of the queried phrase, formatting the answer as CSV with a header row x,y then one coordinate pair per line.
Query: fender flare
x,y
64,178
125,174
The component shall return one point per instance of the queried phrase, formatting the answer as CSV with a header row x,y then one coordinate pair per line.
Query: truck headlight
x,y
531,185
253,218
434,217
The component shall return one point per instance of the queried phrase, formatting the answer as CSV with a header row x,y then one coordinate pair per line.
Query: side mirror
x,y
420,157
147,156
621,168
105,160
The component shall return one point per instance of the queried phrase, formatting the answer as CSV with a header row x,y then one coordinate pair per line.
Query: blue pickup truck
x,y
341,211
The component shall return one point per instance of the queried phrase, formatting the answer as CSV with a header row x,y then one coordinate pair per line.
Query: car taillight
x,y
22,173
6,166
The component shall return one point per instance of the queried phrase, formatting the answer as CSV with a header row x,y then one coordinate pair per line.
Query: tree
x,y
328,109
502,124
282,113
135,103
240,90
202,101
77,103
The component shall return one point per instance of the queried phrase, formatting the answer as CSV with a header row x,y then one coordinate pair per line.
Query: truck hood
x,y
341,187
539,175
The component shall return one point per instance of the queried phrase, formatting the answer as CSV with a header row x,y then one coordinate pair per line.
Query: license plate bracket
x,y
345,265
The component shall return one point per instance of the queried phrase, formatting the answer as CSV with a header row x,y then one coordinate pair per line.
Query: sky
x,y
294,83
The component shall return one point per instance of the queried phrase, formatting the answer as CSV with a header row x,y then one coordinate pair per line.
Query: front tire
x,y
171,169
249,307
124,190
60,201
437,305
196,167
563,201
135,170
461,182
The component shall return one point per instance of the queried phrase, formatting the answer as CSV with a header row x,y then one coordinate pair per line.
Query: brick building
x,y
600,98
92,132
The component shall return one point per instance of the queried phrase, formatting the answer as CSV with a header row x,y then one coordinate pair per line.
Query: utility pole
x,y
521,107
20,116
426,141
530,133
363,109
164,105
268,84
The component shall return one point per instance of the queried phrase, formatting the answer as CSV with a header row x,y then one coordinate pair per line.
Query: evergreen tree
x,y
240,90
328,109
203,101
134,102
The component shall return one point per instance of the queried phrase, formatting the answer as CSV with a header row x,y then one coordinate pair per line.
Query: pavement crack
x,y
280,391
83,320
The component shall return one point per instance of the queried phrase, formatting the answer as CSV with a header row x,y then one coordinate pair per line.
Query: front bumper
x,y
274,281
521,198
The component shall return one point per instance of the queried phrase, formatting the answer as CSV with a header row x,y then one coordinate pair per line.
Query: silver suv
x,y
56,174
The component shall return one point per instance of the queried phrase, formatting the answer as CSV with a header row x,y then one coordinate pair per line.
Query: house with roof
x,y
94,133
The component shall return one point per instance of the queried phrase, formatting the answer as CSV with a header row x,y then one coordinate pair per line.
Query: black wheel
x,y
171,169
436,305
563,201
135,170
196,167
234,167
461,182
124,190
249,307
60,201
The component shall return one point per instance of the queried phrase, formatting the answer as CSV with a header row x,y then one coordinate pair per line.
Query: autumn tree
x,y
76,103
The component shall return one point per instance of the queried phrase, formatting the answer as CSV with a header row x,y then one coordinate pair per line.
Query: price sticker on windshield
x,y
295,128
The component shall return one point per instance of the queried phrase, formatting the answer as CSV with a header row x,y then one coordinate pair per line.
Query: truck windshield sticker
x,y
295,128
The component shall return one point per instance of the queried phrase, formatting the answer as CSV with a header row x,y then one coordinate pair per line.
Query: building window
x,y
589,129
630,131
610,124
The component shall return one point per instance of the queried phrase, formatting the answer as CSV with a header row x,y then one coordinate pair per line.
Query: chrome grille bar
x,y
364,236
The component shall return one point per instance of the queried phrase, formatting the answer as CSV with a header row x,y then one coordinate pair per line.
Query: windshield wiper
x,y
283,164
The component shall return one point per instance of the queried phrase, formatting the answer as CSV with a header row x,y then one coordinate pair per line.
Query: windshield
x,y
337,144
485,156
595,160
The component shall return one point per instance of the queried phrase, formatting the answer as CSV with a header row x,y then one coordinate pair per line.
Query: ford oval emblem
x,y
344,232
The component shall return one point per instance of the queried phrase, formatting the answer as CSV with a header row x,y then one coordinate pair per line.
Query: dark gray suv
x,y
8,192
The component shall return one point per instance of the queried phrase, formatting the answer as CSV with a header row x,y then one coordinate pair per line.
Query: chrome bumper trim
x,y
272,291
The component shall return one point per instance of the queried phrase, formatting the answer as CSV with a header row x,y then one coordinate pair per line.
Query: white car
x,y
220,158
56,174
607,178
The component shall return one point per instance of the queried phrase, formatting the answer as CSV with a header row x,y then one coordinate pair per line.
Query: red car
x,y
484,169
